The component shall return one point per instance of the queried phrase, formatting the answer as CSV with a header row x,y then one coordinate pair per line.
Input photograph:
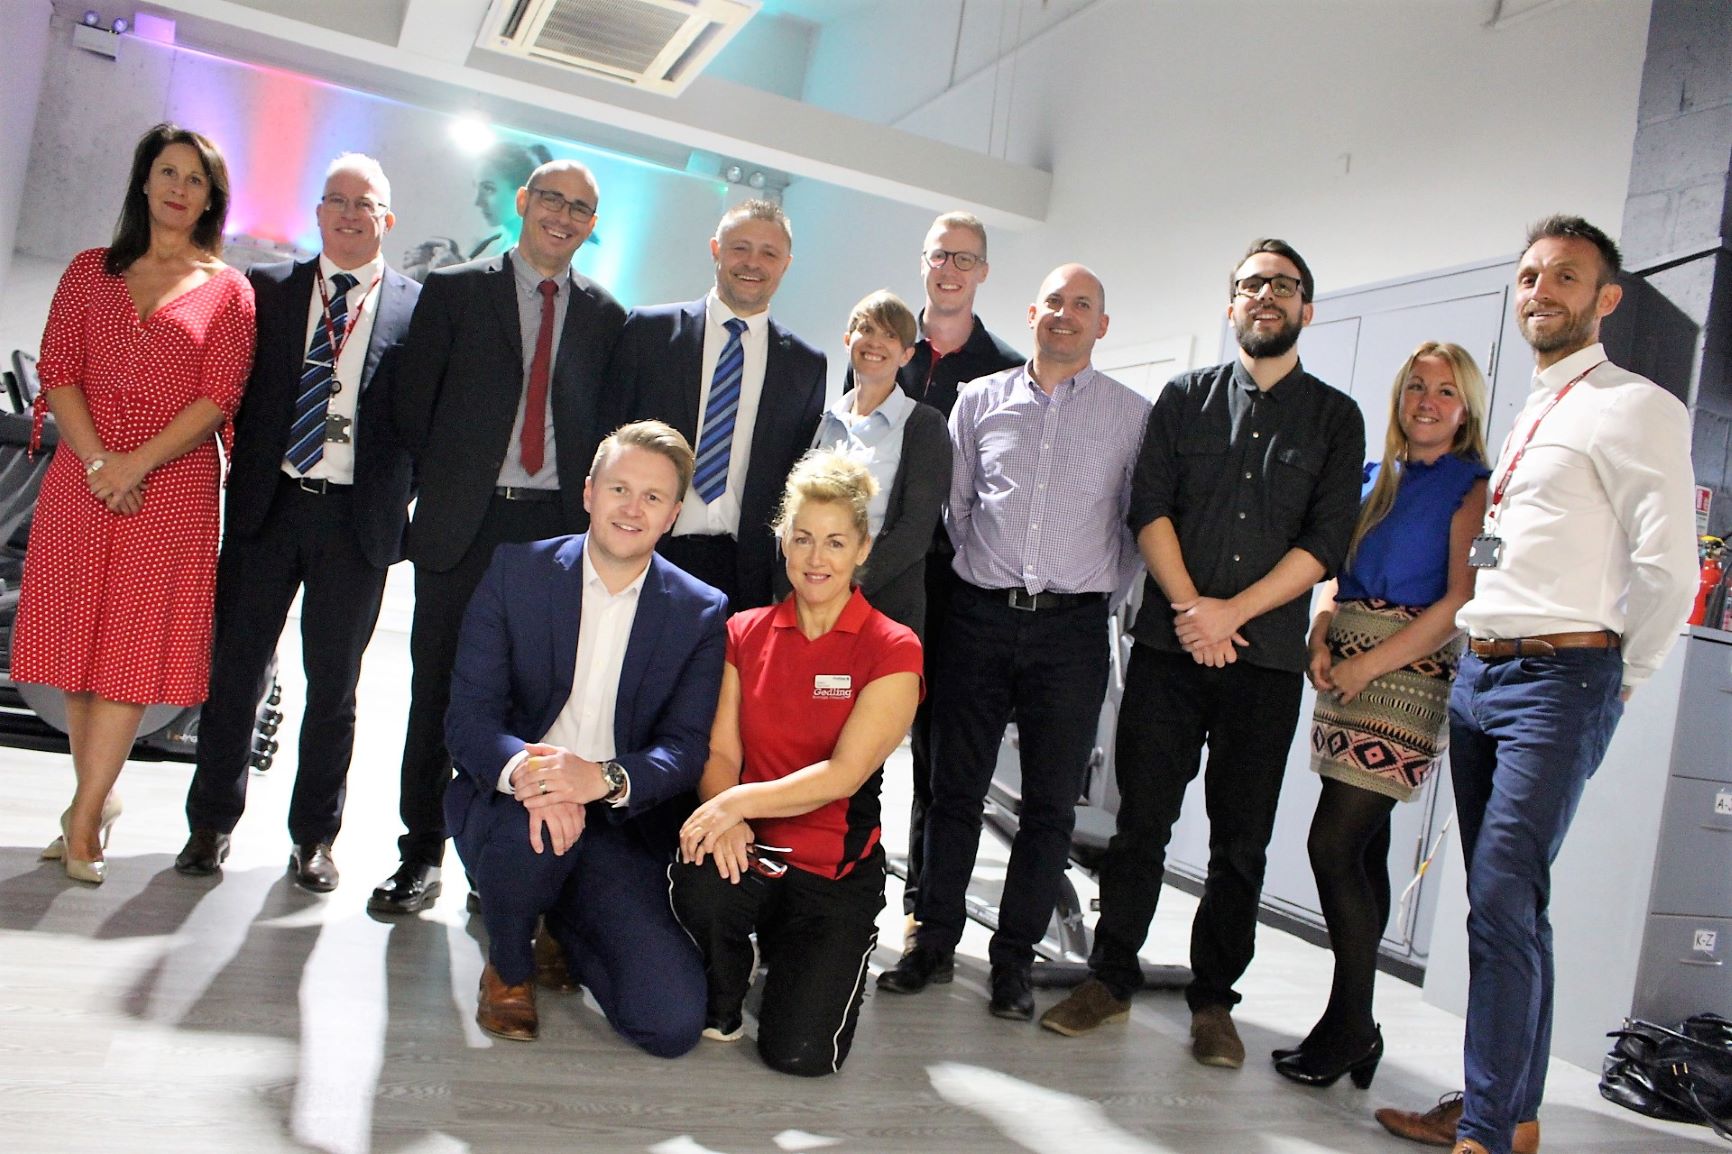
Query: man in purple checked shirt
x,y
1039,493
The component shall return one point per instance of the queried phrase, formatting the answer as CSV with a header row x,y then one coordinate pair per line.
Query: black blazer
x,y
455,392
283,292
656,373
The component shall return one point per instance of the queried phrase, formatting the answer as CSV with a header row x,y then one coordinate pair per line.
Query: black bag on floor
x,y
1682,1075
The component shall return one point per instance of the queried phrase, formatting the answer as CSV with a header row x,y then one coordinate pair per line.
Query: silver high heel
x,y
94,871
111,807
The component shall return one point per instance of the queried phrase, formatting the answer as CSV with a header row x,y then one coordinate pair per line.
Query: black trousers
x,y
440,599
1048,669
816,935
307,542
713,558
941,582
1172,707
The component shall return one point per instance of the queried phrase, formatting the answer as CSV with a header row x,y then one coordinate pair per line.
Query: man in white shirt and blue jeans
x,y
1586,569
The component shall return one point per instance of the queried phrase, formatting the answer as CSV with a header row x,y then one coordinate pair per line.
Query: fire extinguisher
x,y
1712,548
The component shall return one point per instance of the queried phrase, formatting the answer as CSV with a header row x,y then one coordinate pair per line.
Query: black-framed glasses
x,y
553,202
364,205
964,261
1252,286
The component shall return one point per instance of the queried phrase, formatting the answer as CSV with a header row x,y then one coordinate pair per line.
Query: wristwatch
x,y
613,773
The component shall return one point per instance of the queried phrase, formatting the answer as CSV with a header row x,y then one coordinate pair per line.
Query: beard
x,y
1577,333
1262,345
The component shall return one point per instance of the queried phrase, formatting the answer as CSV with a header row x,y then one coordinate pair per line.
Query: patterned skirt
x,y
1390,737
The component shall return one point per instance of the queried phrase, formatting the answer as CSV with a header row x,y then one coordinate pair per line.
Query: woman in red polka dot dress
x,y
147,347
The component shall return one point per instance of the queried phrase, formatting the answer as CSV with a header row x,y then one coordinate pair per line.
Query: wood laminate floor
x,y
172,1014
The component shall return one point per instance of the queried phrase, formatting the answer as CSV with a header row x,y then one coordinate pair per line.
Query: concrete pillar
x,y
1677,219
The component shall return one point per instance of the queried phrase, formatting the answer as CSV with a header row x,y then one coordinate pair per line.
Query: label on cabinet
x,y
1723,802
1704,941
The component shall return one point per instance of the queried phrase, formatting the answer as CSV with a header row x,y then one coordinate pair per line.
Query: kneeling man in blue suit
x,y
586,680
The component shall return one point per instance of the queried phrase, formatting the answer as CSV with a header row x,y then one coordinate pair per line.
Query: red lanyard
x,y
349,328
1503,481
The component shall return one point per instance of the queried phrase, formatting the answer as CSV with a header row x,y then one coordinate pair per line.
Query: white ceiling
x,y
423,51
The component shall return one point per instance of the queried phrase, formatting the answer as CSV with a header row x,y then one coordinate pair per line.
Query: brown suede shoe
x,y
1089,1006
1215,1040
550,971
506,1011
1436,1127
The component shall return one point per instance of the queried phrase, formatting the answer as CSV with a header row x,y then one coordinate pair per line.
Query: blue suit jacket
x,y
657,371
516,658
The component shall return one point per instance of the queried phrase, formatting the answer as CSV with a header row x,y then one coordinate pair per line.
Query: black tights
x,y
1349,849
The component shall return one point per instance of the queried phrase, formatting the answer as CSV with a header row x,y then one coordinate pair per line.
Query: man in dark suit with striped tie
x,y
317,496
746,391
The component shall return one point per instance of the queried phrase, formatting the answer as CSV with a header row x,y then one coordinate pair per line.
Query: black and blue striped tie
x,y
717,442
307,434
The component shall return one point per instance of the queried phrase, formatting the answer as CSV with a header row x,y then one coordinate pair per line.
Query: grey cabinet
x,y
1686,959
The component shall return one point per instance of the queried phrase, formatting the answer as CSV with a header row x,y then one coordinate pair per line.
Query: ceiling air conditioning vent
x,y
658,45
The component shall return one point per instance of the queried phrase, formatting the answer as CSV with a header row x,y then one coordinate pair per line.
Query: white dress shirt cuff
x,y
510,767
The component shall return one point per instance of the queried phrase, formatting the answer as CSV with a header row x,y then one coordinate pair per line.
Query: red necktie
x,y
535,408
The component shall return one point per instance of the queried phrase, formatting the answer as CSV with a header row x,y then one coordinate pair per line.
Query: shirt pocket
x,y
1292,481
1202,467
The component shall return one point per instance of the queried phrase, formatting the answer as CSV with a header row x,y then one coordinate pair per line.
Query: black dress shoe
x,y
413,887
1011,996
920,967
203,853
313,867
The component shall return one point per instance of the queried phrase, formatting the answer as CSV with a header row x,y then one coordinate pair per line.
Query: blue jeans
x,y
1525,735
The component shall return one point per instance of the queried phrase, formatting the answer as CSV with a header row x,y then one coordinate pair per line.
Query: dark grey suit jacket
x,y
456,389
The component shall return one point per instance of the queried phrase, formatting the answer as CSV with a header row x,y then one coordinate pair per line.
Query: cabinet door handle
x,y
1699,962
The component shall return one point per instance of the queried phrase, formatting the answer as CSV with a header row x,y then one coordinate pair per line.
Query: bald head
x,y
1068,317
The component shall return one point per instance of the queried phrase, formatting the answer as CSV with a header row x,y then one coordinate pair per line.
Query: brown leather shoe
x,y
1214,1038
1090,1006
550,971
506,1011
1436,1127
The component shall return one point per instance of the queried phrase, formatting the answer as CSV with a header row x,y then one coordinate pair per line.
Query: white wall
x,y
26,24
1382,137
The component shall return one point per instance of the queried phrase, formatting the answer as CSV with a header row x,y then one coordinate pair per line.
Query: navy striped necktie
x,y
716,443
307,433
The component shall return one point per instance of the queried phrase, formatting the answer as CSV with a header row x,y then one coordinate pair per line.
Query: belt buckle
x,y
1021,600
510,492
312,485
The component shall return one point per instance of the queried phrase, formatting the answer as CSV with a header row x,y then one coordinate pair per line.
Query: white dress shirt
x,y
723,514
585,725
338,464
1598,522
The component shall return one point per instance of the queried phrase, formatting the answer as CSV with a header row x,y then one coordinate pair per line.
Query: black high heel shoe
x,y
1309,1070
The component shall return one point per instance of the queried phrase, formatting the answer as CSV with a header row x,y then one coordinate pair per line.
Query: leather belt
x,y
518,493
1035,602
316,485
1543,645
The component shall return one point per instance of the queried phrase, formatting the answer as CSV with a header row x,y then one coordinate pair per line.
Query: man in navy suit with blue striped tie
x,y
746,391
318,493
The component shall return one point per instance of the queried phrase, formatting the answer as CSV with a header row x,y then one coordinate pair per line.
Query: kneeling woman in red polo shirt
x,y
816,693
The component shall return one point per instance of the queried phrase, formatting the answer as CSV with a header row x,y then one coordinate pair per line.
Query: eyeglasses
x,y
365,206
964,261
553,202
1252,286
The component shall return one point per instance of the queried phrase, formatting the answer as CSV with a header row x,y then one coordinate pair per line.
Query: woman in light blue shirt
x,y
906,447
